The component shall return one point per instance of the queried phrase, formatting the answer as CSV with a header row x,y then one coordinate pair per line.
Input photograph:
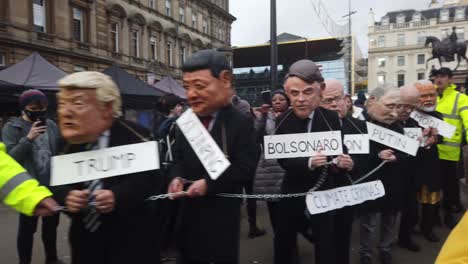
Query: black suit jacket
x,y
125,234
298,177
350,126
208,227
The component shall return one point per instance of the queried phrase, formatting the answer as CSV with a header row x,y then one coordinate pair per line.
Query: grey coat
x,y
21,148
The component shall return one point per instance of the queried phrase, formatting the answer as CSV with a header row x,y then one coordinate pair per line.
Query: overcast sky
x,y
298,17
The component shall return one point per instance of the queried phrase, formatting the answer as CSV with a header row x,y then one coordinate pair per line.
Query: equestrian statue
x,y
447,49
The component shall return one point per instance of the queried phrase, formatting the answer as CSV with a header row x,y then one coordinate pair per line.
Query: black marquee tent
x,y
170,86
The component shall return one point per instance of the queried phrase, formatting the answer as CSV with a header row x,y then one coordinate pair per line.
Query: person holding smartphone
x,y
32,139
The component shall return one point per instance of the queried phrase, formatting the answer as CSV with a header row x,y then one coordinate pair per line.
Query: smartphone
x,y
42,121
266,97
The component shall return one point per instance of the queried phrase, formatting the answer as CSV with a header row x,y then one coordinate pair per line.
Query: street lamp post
x,y
273,46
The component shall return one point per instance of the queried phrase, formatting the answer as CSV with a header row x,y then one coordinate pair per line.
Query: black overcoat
x,y
208,227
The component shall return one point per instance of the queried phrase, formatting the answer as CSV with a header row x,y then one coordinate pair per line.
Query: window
x,y
194,21
444,15
114,36
135,43
460,34
182,55
169,54
39,15
78,68
220,34
400,19
385,21
421,37
417,17
381,42
154,48
400,80
380,79
205,26
168,8
2,59
78,24
152,4
421,76
401,40
421,59
381,62
460,13
181,14
401,60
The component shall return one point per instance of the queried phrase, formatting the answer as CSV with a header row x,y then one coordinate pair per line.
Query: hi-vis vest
x,y
454,107
17,188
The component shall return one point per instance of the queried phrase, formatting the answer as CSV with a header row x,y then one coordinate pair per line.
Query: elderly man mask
x,y
383,104
333,97
409,101
428,96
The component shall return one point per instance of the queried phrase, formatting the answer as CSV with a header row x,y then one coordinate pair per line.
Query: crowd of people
x,y
113,221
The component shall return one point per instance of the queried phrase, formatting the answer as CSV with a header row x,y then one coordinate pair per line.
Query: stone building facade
x,y
145,37
397,52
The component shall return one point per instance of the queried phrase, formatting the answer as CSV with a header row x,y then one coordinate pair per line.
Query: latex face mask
x,y
333,99
385,109
428,97
304,97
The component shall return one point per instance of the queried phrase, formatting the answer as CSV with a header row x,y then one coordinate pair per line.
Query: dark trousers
x,y
451,192
343,226
181,259
291,220
273,213
26,229
251,206
409,215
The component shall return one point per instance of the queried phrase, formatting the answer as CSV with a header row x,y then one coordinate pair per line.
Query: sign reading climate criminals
x,y
392,139
104,163
324,201
303,145
208,152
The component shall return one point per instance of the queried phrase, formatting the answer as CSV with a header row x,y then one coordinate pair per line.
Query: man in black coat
x,y
116,227
382,106
333,99
208,226
303,85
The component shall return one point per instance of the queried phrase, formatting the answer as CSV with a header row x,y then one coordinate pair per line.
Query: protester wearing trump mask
x,y
109,220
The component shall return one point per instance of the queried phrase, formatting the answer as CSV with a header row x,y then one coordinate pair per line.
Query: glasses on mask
x,y
328,101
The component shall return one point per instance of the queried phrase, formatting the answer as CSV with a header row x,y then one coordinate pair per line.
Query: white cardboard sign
x,y
204,146
392,139
302,145
357,143
324,201
445,129
104,163
414,133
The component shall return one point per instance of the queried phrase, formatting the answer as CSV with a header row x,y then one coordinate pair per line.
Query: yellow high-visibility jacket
x,y
455,249
454,107
17,188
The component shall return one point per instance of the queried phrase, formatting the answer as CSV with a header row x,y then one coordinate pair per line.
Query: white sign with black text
x,y
104,163
208,152
325,201
303,145
414,133
357,143
445,129
392,139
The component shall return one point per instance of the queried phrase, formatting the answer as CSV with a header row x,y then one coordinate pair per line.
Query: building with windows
x,y
252,64
396,43
149,38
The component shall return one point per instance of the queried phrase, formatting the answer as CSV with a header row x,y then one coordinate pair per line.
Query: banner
x,y
324,201
415,133
392,139
357,143
445,129
206,149
104,163
303,145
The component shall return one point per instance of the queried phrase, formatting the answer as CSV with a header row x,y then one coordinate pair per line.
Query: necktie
x,y
206,120
91,219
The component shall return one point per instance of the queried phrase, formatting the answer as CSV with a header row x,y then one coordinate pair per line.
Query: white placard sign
x,y
445,129
357,143
392,139
324,201
414,133
302,145
104,163
208,152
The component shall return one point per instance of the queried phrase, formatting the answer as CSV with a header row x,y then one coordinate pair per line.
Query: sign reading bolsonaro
x,y
303,145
